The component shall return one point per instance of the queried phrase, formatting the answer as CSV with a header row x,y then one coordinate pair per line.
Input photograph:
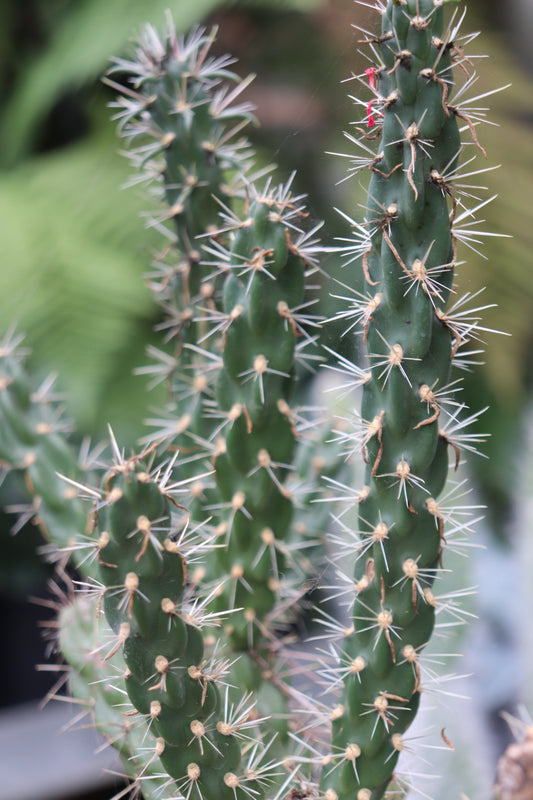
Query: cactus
x,y
408,250
196,548
33,445
95,679
232,290
143,573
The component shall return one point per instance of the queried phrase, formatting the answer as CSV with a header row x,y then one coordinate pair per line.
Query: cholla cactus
x,y
232,287
410,416
32,442
193,548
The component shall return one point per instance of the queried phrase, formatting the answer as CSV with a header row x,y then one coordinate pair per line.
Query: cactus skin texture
x,y
408,253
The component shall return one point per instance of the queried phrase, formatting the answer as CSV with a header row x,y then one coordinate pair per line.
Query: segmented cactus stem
x,y
406,247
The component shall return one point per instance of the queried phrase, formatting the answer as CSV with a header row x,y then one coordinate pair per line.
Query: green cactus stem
x,y
179,117
96,680
33,444
407,249
157,623
267,262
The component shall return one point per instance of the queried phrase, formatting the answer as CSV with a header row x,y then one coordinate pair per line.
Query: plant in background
x,y
200,548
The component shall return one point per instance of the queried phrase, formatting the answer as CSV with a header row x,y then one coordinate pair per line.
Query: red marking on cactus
x,y
370,72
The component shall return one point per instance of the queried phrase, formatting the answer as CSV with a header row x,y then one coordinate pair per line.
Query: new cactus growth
x,y
196,548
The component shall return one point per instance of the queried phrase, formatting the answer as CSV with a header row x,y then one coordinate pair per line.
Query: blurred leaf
x,y
80,49
73,254
89,33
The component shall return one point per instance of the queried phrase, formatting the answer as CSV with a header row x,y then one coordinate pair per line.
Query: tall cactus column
x,y
266,283
264,328
407,255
